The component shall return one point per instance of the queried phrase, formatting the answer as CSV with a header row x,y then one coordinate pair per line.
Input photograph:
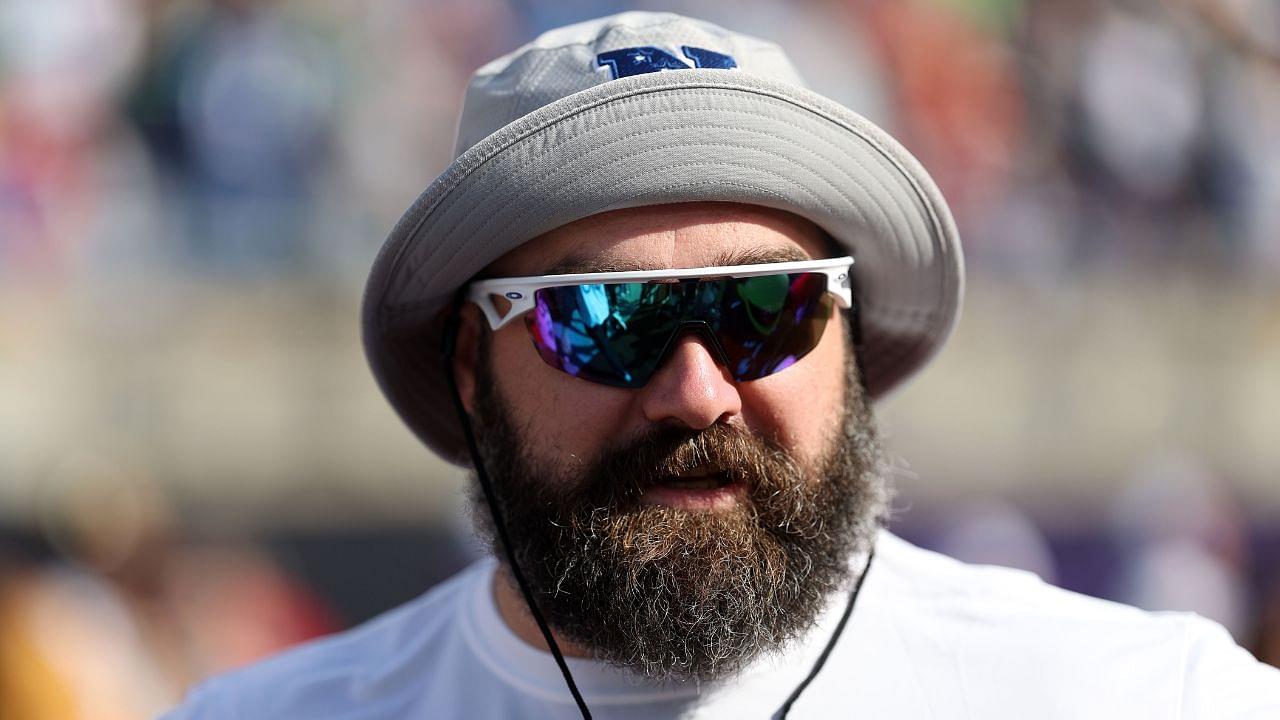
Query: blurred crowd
x,y
123,614
268,137
150,144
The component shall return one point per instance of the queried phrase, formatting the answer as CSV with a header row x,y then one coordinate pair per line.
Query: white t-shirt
x,y
930,638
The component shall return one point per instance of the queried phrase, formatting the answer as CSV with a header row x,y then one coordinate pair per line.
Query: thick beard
x,y
674,594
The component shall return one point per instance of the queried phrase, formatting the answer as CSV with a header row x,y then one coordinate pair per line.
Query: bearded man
x,y
651,303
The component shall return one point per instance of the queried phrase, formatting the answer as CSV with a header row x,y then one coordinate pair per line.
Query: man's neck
x,y
515,613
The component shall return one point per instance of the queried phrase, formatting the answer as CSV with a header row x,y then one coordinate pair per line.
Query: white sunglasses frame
x,y
519,291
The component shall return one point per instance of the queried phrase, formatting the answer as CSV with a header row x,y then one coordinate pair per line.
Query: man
x,y
651,303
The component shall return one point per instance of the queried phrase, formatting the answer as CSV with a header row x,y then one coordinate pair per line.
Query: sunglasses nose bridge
x,y
692,321
701,296
702,329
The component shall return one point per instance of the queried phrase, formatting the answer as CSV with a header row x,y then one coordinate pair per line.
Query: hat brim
x,y
668,137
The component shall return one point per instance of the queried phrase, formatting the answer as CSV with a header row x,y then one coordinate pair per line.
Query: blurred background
x,y
196,468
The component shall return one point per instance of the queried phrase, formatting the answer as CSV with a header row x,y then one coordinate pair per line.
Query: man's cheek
x,y
803,417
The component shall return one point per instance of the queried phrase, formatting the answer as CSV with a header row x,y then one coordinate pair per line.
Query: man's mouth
x,y
702,488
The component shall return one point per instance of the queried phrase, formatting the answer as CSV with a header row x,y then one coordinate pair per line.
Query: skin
x,y
562,417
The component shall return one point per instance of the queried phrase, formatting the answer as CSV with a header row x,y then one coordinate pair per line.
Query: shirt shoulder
x,y
935,584
998,627
1223,679
341,674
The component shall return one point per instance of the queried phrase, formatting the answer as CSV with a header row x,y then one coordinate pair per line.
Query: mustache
x,y
620,474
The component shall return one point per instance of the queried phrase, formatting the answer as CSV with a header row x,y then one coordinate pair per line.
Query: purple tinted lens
x,y
612,334
769,323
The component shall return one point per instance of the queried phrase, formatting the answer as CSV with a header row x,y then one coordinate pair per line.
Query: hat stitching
x,y
569,190
447,202
429,306
399,309
528,126
480,153
412,267
587,157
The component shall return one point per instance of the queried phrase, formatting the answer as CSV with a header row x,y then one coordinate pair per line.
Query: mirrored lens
x,y
611,334
768,323
617,334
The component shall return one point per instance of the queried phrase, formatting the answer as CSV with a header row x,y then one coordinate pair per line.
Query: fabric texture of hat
x,y
646,109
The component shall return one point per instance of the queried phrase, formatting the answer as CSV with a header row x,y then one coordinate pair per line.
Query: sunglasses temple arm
x,y
447,350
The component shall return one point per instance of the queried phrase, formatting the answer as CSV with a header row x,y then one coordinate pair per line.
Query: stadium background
x,y
196,467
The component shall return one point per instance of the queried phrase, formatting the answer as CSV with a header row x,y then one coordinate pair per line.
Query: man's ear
x,y
466,354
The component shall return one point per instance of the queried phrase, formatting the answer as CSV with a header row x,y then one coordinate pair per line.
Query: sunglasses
x,y
616,328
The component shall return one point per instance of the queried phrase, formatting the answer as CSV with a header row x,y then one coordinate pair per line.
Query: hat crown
x,y
570,59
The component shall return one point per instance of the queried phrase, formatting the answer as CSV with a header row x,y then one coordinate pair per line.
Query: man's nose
x,y
691,388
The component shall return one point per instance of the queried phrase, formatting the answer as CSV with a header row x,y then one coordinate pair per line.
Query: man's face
x,y
682,527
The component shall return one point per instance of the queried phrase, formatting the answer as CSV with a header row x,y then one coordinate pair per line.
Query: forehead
x,y
667,236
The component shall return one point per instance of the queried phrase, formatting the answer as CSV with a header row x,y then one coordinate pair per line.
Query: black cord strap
x,y
831,644
449,345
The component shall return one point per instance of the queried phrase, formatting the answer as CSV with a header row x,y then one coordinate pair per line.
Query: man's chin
x,y
676,594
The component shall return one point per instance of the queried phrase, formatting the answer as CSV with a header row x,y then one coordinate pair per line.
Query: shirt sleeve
x,y
1224,681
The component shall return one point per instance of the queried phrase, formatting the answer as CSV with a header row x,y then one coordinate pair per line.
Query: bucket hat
x,y
643,109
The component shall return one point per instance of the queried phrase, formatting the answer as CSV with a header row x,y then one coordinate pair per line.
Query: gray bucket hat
x,y
647,109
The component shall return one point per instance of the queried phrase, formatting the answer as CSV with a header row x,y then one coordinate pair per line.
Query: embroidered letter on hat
x,y
648,59
704,58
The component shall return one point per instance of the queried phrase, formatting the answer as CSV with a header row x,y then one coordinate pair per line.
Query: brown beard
x,y
672,593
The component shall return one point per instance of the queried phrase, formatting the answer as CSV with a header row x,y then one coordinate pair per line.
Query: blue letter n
x,y
639,60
